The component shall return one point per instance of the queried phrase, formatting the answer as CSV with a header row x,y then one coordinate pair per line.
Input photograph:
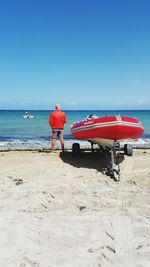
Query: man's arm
x,y
65,119
51,120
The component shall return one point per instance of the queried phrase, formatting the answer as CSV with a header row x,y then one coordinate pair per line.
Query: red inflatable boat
x,y
106,130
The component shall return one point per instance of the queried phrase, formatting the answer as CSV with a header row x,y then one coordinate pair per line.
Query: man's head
x,y
57,106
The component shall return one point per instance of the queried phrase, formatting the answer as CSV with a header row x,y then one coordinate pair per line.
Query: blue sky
x,y
80,53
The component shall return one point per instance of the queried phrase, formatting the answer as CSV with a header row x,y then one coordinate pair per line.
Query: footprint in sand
x,y
27,262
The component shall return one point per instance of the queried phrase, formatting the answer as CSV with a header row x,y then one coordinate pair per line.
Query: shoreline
x,y
23,145
59,149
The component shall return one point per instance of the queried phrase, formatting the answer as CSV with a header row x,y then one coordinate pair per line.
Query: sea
x,y
18,133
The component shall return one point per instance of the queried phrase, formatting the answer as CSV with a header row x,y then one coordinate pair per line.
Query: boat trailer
x,y
111,153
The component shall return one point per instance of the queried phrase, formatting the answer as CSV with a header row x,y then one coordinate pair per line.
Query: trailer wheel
x,y
128,150
76,149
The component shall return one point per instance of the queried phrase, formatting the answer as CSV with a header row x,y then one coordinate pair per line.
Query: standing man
x,y
57,120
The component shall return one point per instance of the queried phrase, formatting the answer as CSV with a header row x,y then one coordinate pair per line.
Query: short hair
x,y
57,106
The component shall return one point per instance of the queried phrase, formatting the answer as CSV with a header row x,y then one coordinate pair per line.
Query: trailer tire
x,y
76,149
128,150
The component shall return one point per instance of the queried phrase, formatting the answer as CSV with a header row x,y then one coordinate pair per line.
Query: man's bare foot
x,y
53,151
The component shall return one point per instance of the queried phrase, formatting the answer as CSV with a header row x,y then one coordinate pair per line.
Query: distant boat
x,y
28,116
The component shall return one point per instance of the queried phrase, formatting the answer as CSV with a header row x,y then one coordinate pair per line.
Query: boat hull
x,y
106,130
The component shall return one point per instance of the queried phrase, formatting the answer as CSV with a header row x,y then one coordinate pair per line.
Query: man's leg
x,y
60,135
53,144
54,136
62,143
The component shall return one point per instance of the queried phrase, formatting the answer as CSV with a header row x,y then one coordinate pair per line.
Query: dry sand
x,y
59,210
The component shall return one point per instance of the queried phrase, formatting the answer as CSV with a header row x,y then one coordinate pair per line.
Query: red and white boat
x,y
104,131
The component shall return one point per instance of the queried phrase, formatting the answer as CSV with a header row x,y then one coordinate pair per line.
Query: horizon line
x,y
76,109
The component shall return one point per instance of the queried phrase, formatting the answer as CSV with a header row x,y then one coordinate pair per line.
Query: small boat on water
x,y
106,130
28,116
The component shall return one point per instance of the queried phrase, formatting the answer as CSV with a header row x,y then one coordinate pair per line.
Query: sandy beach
x,y
60,210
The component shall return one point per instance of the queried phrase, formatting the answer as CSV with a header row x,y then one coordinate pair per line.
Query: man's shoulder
x,y
63,112
53,112
58,113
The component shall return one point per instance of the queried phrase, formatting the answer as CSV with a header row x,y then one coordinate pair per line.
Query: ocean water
x,y
19,133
